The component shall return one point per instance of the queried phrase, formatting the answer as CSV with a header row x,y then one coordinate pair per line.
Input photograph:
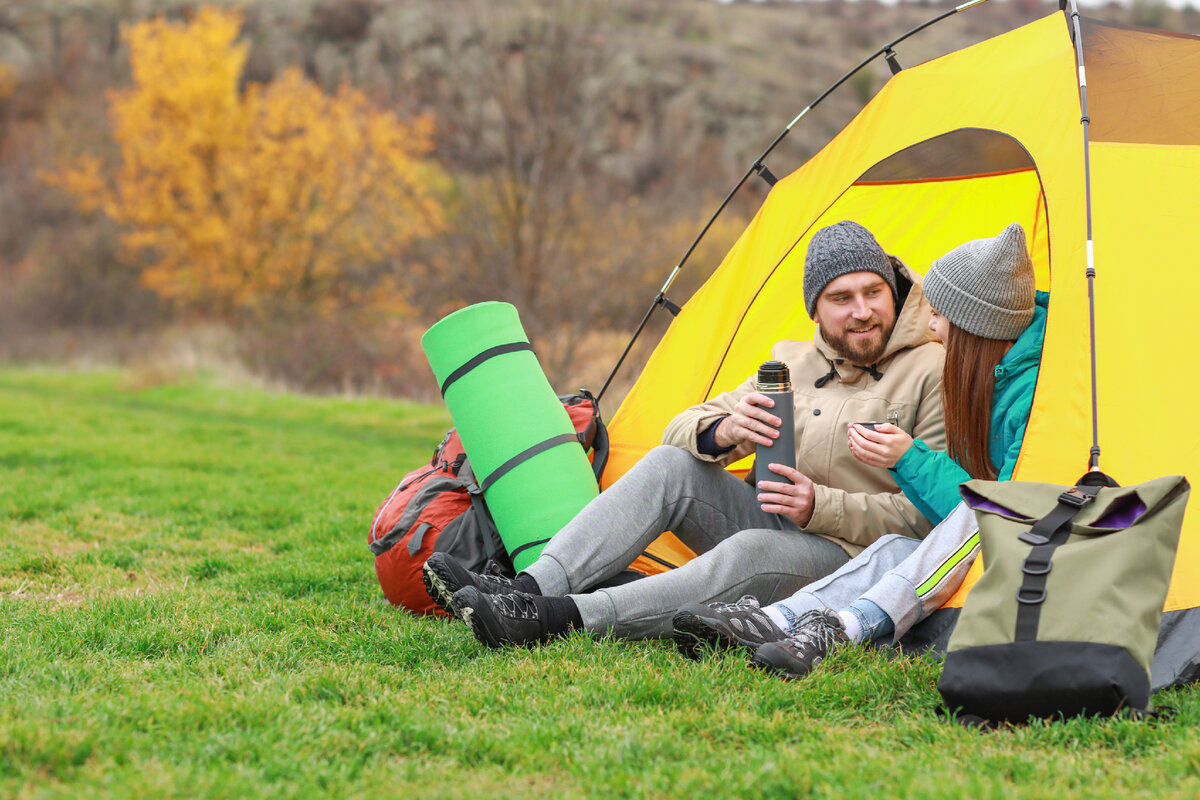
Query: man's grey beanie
x,y
838,249
985,286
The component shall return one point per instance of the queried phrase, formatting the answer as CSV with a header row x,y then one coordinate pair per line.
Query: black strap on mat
x,y
491,352
1047,534
523,456
513,555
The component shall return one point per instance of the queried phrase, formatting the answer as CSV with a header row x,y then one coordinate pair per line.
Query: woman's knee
x,y
892,543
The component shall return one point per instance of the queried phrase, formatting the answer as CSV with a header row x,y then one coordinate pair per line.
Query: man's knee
x,y
669,465
666,455
797,552
760,546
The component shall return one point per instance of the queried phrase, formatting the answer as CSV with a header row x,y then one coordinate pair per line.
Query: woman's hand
x,y
881,447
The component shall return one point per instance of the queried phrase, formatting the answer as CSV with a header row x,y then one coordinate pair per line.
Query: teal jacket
x,y
930,478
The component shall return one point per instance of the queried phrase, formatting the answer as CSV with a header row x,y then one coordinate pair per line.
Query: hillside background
x,y
579,147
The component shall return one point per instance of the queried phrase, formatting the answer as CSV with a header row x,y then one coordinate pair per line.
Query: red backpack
x,y
440,507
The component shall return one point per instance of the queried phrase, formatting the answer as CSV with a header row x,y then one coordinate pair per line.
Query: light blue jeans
x,y
873,620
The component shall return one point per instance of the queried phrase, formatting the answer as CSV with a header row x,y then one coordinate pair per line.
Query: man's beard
x,y
861,351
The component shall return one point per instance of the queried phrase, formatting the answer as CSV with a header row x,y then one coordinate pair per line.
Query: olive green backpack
x,y
1065,618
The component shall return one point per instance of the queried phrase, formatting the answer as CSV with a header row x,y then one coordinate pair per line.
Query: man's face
x,y
856,313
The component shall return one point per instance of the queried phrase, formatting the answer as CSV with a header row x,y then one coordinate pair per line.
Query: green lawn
x,y
190,611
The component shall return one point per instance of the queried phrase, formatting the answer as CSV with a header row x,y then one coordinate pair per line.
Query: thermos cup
x,y
775,382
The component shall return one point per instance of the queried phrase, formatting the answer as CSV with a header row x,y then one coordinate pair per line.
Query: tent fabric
x,y
955,149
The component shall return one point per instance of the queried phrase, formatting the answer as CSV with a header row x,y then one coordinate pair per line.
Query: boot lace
x,y
816,629
746,603
515,606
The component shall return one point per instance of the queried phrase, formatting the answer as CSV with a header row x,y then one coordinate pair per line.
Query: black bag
x,y
1065,618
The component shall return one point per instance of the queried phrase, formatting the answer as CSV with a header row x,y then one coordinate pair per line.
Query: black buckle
x,y
1031,567
1029,596
1074,498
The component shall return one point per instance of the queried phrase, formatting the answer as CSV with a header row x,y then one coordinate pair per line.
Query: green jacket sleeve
x,y
930,480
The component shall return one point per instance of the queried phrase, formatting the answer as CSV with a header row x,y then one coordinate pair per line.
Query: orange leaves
x,y
8,81
273,202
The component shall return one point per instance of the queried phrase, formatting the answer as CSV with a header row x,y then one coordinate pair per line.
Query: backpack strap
x,y
1047,534
599,449
491,534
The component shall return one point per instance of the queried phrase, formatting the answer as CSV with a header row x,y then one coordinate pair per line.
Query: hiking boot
x,y
443,575
501,620
723,626
816,633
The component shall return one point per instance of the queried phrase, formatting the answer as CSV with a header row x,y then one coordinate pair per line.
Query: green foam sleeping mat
x,y
523,449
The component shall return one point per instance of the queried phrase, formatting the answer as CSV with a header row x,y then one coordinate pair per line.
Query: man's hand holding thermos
x,y
765,417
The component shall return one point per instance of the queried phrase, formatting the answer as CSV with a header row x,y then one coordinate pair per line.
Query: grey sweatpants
x,y
908,578
741,549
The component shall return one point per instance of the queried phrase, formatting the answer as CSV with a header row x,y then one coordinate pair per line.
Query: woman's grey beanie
x,y
985,286
838,249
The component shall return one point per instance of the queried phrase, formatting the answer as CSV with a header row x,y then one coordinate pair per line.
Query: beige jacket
x,y
855,504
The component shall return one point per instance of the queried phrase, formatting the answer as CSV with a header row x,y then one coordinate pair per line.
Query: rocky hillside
x,y
617,126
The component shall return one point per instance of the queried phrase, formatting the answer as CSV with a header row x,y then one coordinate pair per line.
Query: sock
x,y
560,614
526,583
850,622
775,615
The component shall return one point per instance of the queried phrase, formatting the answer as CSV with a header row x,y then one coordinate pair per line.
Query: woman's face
x,y
939,325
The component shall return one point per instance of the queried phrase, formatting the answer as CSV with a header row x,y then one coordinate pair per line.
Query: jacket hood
x,y
1026,351
911,328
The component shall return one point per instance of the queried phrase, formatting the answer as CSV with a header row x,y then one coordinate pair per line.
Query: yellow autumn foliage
x,y
8,81
275,200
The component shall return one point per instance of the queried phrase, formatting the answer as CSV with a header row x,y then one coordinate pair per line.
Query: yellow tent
x,y
955,149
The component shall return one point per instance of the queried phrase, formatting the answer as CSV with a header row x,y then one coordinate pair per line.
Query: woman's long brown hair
x,y
967,384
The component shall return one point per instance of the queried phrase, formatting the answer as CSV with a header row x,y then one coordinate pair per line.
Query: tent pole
x,y
758,167
1085,120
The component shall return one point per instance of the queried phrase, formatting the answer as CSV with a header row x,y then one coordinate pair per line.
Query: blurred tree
x,y
277,202
536,220
8,81
1152,14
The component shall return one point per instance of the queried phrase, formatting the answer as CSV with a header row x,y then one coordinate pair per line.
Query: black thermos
x,y
775,382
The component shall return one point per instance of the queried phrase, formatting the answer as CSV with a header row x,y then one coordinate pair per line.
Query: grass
x,y
190,611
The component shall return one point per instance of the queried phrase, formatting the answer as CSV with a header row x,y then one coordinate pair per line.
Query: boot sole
x,y
781,666
438,591
766,666
693,636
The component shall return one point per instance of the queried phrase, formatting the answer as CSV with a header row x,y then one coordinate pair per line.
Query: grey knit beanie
x,y
838,249
985,286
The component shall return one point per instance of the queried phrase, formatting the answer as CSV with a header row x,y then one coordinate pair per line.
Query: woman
x,y
992,321
987,385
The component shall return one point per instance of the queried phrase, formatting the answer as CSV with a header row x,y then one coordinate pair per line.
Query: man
x,y
992,319
872,358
